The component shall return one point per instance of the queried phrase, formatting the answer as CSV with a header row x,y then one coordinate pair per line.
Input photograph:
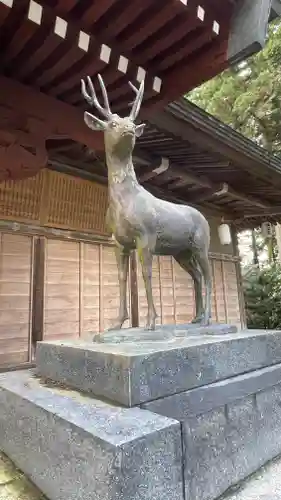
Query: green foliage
x,y
262,290
248,96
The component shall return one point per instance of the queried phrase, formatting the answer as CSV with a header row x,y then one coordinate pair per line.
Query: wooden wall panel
x,y
156,290
90,302
81,289
231,293
15,298
219,291
109,289
62,286
173,292
184,295
167,290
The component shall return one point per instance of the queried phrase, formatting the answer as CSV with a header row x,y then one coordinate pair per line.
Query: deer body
x,y
135,214
139,220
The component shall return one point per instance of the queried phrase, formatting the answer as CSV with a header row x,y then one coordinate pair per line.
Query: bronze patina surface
x,y
139,220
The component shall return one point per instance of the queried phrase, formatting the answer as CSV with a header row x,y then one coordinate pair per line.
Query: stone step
x,y
132,373
74,447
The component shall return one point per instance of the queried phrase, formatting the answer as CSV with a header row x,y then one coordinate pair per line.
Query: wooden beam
x,y
65,166
239,278
188,75
191,124
56,117
185,178
38,291
264,213
159,169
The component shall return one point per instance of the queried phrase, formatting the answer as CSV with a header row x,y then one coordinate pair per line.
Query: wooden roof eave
x,y
187,121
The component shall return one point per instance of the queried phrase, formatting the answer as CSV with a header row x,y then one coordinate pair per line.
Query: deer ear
x,y
140,129
93,122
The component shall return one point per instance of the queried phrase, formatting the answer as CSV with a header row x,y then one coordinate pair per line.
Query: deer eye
x,y
114,124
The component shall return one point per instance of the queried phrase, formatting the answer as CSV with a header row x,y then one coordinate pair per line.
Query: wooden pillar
x,y
38,291
239,278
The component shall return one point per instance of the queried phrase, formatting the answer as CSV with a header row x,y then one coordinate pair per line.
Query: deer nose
x,y
129,128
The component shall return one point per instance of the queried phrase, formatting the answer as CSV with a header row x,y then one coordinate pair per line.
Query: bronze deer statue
x,y
138,220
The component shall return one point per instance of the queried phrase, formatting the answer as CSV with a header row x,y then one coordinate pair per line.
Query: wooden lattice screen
x,y
22,200
55,200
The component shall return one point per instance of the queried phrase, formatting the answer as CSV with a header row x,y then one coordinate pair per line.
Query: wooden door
x,y
61,289
81,291
16,253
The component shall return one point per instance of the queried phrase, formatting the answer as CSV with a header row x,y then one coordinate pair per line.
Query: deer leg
x,y
203,261
146,257
189,265
122,258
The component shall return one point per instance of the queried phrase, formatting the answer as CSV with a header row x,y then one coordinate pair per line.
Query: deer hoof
x,y
201,320
197,321
150,324
118,325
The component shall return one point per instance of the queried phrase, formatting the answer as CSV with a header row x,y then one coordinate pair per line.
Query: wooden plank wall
x,y
81,293
173,292
16,253
61,294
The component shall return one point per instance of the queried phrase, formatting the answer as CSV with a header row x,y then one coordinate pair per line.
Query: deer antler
x,y
138,100
92,99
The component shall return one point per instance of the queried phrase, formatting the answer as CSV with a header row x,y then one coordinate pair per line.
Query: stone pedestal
x,y
171,415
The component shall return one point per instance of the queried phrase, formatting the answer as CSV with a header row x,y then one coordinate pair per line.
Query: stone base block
x,y
75,447
229,429
134,373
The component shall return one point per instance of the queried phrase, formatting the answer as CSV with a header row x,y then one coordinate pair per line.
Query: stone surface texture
x,y
131,374
208,397
161,333
224,446
207,413
75,447
263,485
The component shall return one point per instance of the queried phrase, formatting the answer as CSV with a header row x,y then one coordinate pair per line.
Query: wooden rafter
x,y
189,74
183,178
59,119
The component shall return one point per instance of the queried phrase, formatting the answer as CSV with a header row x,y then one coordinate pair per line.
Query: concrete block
x,y
226,445
132,374
75,447
208,397
208,466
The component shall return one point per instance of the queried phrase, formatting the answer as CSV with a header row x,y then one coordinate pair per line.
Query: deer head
x,y
119,133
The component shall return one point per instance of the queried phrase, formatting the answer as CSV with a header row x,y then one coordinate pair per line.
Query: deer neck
x,y
122,179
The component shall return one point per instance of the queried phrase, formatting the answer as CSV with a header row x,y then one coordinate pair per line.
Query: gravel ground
x,y
263,485
14,485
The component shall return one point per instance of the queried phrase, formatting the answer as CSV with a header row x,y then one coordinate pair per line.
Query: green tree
x,y
248,96
262,290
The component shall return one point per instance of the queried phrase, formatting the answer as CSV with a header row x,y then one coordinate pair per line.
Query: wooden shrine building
x,y
57,270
